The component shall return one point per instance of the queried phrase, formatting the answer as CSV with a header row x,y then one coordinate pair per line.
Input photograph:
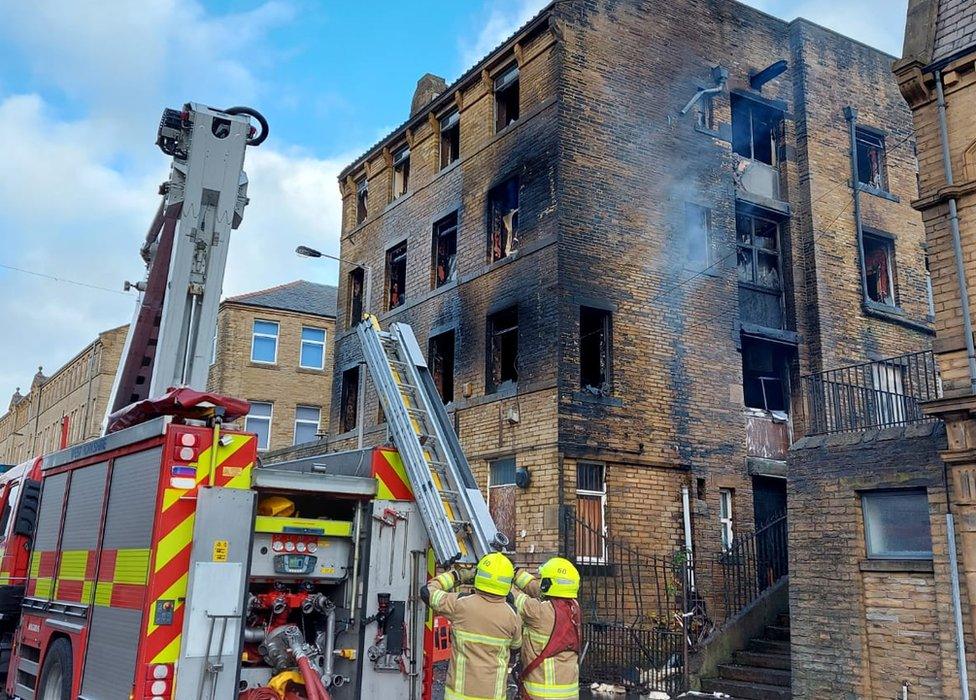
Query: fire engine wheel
x,y
56,675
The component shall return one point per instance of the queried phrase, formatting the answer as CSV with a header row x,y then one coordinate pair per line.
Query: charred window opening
x,y
503,210
501,496
450,138
445,250
506,98
879,269
705,113
502,349
755,129
362,200
595,350
356,279
349,400
440,359
765,374
396,275
697,237
757,241
871,165
401,172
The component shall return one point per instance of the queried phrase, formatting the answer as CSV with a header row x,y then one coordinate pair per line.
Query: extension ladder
x,y
459,525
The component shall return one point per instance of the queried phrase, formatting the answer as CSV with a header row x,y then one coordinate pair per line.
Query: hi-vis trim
x,y
392,482
174,537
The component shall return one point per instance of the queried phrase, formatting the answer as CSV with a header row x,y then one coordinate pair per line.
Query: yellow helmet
x,y
560,579
494,574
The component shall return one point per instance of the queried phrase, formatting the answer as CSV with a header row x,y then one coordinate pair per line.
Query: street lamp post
x,y
307,252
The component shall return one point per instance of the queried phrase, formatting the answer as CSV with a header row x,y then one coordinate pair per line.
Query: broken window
x,y
362,200
871,167
501,497
503,208
765,374
591,504
595,350
396,275
757,240
349,400
506,97
356,279
440,359
445,250
450,138
755,129
879,269
502,349
401,172
697,237
705,113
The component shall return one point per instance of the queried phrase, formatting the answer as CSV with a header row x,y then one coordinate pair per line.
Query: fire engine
x,y
163,561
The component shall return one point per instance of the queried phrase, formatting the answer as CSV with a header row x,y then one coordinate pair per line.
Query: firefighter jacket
x,y
485,629
556,677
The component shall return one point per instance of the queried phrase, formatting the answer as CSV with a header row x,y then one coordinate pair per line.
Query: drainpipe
x,y
967,320
686,513
967,323
850,114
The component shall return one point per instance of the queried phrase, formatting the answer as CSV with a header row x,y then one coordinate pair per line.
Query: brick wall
x,y
862,633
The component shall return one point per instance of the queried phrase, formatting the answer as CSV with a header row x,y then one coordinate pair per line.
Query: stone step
x,y
754,658
769,646
741,690
777,633
754,674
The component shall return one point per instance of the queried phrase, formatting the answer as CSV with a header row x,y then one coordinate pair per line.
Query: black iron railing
x,y
753,563
877,394
632,604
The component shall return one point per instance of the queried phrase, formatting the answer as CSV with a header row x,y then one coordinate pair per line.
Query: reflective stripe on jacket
x,y
484,631
556,677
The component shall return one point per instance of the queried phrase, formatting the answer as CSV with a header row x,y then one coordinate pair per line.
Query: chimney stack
x,y
428,88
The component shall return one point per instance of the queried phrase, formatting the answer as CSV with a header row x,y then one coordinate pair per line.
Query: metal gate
x,y
633,608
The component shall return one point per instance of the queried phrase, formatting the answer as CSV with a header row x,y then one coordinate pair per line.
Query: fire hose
x,y
313,684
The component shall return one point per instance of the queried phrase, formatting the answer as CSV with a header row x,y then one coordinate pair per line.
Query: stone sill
x,y
264,365
898,565
877,192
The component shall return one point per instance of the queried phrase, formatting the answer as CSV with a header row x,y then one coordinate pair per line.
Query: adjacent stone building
x,y
622,237
273,347
882,492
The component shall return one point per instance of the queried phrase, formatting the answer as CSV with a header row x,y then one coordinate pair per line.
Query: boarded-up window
x,y
501,496
503,211
502,365
591,502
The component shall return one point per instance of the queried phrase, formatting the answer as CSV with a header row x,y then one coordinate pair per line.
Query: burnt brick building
x,y
623,236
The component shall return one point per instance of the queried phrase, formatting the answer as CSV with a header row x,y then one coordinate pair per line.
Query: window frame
x,y
508,484
393,258
508,78
492,332
362,200
269,418
726,517
705,235
774,136
431,341
450,122
600,494
357,274
302,343
871,139
493,196
887,242
401,172
606,319
255,334
755,250
306,421
349,391
917,555
439,229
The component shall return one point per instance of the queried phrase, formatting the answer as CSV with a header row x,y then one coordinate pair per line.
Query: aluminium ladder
x,y
459,525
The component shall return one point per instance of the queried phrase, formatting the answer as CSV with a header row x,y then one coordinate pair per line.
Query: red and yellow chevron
x,y
392,482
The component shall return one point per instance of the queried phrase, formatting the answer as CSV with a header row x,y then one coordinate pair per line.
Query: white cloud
x,y
502,20
77,194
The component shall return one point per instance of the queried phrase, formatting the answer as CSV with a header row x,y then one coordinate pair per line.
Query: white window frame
x,y
888,379
726,517
304,421
269,418
255,334
602,493
492,487
303,341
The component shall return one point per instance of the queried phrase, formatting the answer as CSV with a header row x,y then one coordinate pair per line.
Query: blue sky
x,y
81,91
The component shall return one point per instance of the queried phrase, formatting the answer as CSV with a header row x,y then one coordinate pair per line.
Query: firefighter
x,y
552,630
485,628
